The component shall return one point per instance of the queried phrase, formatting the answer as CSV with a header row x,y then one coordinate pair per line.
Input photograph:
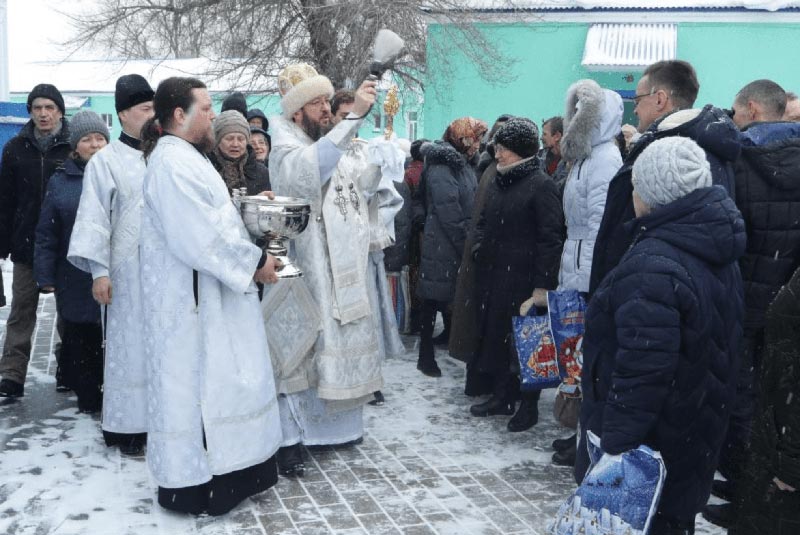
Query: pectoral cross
x,y
340,201
354,198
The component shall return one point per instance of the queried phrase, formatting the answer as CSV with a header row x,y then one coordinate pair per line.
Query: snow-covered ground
x,y
425,466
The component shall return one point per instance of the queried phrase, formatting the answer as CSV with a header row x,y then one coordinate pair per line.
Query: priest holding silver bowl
x,y
275,219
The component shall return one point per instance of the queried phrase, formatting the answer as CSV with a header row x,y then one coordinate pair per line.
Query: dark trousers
x,y
733,454
20,325
428,318
82,363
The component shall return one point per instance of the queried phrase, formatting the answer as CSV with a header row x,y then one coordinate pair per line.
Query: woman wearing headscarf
x,y
447,190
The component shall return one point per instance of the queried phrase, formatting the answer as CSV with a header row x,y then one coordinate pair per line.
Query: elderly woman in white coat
x,y
593,118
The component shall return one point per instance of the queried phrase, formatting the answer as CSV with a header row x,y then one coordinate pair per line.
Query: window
x,y
377,121
108,119
411,122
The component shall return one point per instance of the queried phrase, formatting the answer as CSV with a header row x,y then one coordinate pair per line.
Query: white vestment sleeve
x,y
90,242
202,229
97,270
290,152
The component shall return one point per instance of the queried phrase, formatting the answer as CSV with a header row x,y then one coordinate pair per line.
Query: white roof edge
x,y
100,76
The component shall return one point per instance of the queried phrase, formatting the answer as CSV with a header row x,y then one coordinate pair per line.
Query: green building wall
x,y
547,59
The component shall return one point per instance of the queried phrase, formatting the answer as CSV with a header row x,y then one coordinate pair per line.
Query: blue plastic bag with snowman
x,y
618,496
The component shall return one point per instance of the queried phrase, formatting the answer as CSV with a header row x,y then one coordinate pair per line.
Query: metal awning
x,y
615,47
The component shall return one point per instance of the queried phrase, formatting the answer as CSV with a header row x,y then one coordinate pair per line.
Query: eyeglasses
x,y
318,102
637,98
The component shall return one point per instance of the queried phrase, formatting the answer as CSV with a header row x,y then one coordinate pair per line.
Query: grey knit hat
x,y
83,123
669,169
230,121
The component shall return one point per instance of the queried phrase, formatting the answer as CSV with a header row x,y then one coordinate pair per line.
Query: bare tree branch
x,y
251,40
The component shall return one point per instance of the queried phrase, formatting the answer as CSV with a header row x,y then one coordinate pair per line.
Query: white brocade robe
x,y
106,237
343,365
210,370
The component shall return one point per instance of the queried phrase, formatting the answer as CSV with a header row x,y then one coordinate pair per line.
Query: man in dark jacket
x,y
664,97
768,500
28,161
663,330
768,195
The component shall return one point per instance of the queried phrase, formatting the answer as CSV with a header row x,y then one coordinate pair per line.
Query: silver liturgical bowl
x,y
277,221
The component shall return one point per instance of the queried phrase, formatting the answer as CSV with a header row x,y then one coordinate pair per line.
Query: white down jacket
x,y
593,118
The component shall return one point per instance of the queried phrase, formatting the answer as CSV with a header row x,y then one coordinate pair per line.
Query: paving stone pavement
x,y
425,467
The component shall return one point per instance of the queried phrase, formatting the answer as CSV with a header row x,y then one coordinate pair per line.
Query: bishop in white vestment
x,y
326,336
214,426
105,243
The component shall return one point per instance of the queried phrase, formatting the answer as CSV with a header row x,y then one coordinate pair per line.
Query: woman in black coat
x,y
663,330
447,189
517,251
768,499
81,363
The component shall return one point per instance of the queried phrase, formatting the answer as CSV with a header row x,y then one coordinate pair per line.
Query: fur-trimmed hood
x,y
593,116
442,153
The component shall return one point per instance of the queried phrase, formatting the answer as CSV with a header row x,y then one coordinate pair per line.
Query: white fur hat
x,y
669,169
299,84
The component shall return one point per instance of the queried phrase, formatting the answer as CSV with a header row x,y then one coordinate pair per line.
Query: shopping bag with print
x,y
536,351
618,496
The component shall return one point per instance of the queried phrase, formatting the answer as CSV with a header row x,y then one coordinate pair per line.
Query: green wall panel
x,y
547,59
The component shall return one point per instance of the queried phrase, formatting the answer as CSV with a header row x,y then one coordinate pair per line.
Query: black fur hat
x,y
520,136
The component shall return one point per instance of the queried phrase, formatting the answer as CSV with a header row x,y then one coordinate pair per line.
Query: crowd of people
x,y
682,234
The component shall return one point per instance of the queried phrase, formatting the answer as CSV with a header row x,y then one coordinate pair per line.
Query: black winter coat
x,y
662,339
24,172
399,254
74,299
448,190
256,174
518,242
768,195
763,509
712,129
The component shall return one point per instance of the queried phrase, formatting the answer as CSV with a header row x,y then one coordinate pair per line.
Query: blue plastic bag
x,y
566,310
536,351
618,496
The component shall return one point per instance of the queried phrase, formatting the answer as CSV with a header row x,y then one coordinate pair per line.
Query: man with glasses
x,y
664,98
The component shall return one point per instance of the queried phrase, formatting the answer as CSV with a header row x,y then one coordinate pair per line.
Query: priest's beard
x,y
315,129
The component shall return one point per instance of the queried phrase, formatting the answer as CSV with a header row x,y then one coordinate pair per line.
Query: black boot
x,y
527,414
566,457
722,514
11,389
493,406
426,362
379,399
290,461
561,444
